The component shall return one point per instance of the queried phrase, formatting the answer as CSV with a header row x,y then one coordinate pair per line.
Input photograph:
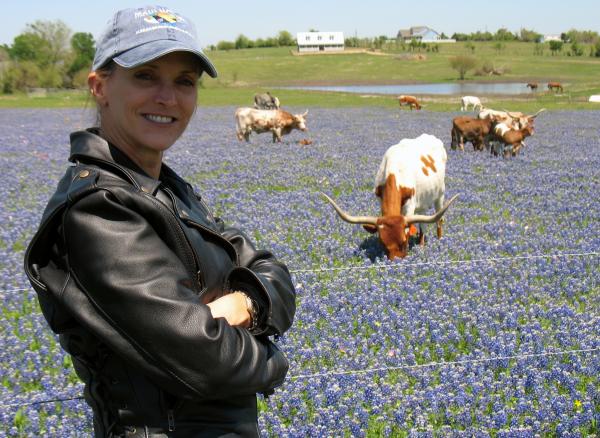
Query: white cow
x,y
410,181
467,101
278,122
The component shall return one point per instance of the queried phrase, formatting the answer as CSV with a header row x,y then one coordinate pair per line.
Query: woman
x,y
165,311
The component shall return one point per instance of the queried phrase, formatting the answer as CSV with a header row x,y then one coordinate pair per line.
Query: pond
x,y
466,88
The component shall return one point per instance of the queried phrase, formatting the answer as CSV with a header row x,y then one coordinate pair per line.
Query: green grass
x,y
245,72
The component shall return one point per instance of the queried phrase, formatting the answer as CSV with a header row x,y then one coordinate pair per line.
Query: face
x,y
394,235
144,110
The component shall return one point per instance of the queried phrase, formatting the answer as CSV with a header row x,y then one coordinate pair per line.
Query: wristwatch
x,y
252,308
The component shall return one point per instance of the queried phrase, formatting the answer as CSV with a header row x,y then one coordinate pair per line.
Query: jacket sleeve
x,y
264,278
142,306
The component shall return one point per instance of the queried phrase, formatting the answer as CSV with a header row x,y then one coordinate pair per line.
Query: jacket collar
x,y
89,144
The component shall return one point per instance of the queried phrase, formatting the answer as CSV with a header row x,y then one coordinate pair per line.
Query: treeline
x,y
48,55
527,35
283,39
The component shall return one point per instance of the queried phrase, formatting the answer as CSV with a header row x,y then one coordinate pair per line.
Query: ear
x,y
370,228
97,86
412,230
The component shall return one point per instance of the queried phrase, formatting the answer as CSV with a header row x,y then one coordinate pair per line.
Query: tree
x,y
556,46
504,34
82,47
30,47
597,49
56,34
462,64
285,39
530,36
241,42
225,45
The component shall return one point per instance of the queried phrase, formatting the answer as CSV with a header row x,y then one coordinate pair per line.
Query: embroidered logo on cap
x,y
162,18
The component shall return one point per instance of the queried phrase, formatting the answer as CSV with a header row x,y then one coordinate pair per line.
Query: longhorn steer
x,y
410,101
410,180
556,86
467,101
511,139
470,129
532,85
278,122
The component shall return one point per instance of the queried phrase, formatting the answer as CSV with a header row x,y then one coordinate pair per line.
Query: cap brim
x,y
153,50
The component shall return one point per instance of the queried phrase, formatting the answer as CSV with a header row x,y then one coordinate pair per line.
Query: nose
x,y
165,95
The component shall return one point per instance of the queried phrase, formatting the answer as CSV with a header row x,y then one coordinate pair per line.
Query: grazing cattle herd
x,y
411,177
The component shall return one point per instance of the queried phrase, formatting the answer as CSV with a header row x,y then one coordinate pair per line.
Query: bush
x,y
462,64
20,76
556,46
225,45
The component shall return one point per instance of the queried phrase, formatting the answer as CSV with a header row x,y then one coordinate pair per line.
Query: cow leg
x,y
421,235
247,137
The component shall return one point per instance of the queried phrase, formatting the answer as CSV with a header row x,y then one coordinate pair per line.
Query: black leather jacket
x,y
123,266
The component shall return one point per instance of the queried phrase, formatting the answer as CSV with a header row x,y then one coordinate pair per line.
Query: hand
x,y
233,308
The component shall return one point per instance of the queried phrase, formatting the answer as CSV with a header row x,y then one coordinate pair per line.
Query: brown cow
x,y
474,130
410,101
511,139
555,86
532,85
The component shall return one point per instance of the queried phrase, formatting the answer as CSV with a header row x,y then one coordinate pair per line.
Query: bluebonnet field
x,y
369,343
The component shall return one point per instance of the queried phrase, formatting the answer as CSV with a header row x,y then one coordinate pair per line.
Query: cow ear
x,y
412,230
370,228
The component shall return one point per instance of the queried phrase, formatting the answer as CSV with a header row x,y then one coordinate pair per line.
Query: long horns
x,y
518,115
372,220
536,114
425,219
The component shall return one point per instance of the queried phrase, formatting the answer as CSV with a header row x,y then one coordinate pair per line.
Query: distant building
x,y
423,34
547,38
320,41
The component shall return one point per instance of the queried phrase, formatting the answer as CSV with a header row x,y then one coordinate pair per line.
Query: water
x,y
461,89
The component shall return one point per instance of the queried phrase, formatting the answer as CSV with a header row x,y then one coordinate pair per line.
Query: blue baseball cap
x,y
139,35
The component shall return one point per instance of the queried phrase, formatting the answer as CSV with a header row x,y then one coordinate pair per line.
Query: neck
x,y
149,161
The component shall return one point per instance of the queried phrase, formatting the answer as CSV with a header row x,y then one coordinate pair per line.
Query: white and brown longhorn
x,y
410,181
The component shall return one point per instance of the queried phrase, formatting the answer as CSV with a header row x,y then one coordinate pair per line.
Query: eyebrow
x,y
155,67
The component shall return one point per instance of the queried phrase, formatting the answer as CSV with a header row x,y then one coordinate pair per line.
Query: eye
x,y
186,82
143,75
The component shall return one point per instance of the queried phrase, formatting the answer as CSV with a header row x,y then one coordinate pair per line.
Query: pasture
x,y
492,331
245,72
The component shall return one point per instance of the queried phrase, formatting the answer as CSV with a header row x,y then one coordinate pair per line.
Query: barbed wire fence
x,y
429,365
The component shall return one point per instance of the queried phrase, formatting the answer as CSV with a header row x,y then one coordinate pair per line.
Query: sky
x,y
219,20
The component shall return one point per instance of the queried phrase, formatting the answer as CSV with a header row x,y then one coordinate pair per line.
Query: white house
x,y
547,38
320,41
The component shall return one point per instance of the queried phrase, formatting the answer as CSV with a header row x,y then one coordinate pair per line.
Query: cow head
x,y
520,120
300,121
394,231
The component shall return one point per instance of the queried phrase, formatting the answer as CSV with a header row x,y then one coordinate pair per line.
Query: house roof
x,y
414,31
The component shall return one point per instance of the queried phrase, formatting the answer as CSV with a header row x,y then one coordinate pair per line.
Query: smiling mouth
x,y
159,119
